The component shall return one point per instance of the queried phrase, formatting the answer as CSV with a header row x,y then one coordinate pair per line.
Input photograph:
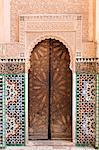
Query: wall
x,y
81,38
97,26
4,21
1,21
10,19
47,7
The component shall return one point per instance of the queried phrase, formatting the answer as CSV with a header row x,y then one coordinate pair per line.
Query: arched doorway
x,y
50,92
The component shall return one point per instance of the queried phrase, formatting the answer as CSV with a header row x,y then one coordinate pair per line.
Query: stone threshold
x,y
50,143
47,148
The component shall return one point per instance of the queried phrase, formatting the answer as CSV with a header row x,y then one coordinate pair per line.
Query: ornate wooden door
x,y
39,92
50,92
60,92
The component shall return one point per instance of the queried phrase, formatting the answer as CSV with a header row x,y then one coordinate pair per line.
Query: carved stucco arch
x,y
41,38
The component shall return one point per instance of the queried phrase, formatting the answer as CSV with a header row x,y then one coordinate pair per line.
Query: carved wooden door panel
x,y
50,92
60,92
39,91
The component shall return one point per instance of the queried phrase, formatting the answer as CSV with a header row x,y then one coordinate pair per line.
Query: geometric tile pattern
x,y
85,95
15,109
97,111
2,113
12,68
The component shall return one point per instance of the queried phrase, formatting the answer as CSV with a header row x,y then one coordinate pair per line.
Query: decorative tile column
x,y
86,102
2,112
97,105
13,76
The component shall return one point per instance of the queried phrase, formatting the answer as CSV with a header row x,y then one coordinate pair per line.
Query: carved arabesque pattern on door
x,y
50,91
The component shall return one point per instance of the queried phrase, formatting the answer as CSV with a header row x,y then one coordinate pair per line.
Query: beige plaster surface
x,y
10,10
97,27
1,20
4,21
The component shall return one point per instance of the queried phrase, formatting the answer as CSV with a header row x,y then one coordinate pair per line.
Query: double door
x,y
50,81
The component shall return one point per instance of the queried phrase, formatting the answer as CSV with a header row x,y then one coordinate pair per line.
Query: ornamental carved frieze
x,y
12,68
86,65
97,66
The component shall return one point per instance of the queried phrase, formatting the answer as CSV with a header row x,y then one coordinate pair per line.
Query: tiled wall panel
x,y
15,109
86,101
97,112
2,113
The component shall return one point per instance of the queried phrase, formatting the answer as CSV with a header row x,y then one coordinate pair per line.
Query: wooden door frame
x,y
27,141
